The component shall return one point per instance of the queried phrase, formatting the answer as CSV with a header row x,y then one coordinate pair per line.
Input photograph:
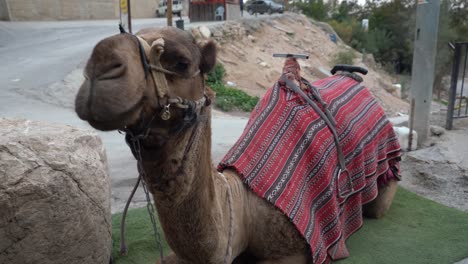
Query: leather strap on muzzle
x,y
154,55
159,73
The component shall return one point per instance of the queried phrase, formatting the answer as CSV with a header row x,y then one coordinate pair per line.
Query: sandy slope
x,y
246,49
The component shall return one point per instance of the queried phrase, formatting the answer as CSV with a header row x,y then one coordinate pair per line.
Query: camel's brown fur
x,y
190,196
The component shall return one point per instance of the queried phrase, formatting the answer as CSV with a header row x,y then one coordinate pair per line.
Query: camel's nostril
x,y
111,71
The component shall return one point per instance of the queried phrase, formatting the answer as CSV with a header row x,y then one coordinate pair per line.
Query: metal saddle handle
x,y
348,68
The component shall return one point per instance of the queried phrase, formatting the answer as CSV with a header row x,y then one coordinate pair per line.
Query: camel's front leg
x,y
380,205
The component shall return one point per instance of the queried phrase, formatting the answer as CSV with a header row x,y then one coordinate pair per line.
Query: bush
x,y
228,99
344,30
344,57
216,75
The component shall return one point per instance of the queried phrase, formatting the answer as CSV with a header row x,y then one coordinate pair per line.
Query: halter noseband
x,y
152,65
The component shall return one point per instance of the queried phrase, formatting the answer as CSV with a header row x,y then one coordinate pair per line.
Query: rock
x,y
205,31
251,25
310,29
54,195
239,52
286,30
399,121
403,137
437,130
264,64
196,33
218,34
252,38
396,90
231,84
437,172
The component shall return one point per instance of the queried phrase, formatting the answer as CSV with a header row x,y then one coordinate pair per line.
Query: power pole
x,y
169,13
422,77
129,17
125,15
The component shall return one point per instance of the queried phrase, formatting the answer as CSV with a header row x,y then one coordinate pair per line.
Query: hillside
x,y
246,47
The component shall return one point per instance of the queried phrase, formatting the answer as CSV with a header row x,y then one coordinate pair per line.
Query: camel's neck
x,y
182,183
182,168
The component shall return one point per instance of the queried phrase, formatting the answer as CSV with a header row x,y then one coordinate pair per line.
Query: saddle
x,y
317,151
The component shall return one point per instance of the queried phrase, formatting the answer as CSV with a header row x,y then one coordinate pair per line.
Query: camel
x,y
207,217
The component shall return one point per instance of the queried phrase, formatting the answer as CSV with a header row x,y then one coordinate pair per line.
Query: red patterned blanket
x,y
287,156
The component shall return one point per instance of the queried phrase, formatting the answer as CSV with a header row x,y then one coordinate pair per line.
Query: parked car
x,y
264,6
161,11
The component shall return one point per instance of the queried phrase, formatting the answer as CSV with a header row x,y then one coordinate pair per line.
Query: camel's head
x,y
131,82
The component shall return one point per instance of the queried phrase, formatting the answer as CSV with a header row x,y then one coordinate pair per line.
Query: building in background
x,y
212,10
31,10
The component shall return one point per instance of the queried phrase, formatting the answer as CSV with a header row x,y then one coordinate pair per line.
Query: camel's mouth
x,y
100,117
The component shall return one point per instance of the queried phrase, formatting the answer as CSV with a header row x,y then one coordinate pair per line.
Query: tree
x,y
315,9
453,27
396,21
458,18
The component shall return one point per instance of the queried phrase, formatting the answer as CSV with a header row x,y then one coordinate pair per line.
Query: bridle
x,y
150,60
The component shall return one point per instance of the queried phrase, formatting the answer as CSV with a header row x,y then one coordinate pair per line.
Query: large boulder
x,y
54,195
439,173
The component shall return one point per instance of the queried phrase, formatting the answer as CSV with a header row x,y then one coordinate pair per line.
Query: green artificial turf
x,y
139,236
415,230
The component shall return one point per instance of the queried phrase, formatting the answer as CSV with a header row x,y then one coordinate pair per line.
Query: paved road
x,y
36,55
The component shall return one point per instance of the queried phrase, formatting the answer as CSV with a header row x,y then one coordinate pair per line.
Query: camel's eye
x,y
181,66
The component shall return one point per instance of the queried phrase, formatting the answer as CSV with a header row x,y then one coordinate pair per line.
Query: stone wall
x,y
21,10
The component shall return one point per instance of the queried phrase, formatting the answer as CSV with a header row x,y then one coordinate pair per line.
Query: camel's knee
x,y
380,205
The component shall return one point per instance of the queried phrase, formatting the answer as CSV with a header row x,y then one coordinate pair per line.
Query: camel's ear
x,y
208,59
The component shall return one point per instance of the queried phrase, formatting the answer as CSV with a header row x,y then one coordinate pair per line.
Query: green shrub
x,y
344,57
344,30
228,99
216,75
